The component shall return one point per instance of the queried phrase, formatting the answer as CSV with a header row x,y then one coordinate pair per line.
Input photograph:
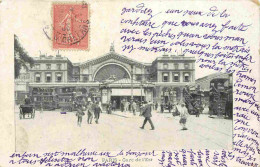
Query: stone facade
x,y
162,80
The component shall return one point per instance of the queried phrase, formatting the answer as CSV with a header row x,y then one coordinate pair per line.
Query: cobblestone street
x,y
53,131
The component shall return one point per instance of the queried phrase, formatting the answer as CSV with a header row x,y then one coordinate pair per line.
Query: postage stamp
x,y
70,26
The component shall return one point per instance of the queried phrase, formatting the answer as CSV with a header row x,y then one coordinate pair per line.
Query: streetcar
x,y
192,99
220,98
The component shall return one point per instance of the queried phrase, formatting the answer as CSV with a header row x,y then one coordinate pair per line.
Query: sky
x,y
34,16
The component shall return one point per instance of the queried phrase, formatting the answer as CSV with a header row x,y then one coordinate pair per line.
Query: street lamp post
x,y
132,97
141,92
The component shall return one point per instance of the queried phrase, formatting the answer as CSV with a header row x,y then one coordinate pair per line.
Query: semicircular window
x,y
111,71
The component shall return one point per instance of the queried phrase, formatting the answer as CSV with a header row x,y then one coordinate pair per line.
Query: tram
x,y
193,100
44,98
220,98
64,98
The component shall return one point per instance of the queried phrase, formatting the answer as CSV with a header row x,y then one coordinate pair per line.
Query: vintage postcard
x,y
129,83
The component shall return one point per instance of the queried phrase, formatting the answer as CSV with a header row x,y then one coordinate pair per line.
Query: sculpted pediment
x,y
111,56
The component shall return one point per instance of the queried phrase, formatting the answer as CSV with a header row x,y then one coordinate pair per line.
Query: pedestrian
x,y
197,109
162,107
97,111
156,106
170,107
175,109
27,100
91,108
142,105
41,108
183,116
80,113
147,114
122,106
109,107
125,106
114,106
134,107
100,105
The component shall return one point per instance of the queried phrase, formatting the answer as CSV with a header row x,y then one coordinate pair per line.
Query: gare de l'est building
x,y
115,77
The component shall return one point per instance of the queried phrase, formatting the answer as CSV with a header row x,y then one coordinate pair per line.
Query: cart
x,y
26,109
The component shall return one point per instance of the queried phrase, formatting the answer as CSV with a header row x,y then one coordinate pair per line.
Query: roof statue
x,y
112,47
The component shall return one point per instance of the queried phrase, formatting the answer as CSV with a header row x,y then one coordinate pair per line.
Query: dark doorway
x,y
117,99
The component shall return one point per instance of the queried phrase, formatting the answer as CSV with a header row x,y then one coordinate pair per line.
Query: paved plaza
x,y
54,131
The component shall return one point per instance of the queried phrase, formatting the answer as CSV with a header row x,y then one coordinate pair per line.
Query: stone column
x,y
181,76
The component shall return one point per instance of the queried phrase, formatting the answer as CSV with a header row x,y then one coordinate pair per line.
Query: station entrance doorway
x,y
119,99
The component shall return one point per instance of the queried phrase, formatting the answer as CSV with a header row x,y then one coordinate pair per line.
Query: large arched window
x,y
111,71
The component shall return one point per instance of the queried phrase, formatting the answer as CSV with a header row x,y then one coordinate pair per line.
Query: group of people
x,y
93,110
181,109
125,106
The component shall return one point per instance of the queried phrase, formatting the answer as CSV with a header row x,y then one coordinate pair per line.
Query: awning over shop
x,y
126,92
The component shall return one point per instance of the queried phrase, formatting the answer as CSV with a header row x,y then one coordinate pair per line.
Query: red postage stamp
x,y
70,26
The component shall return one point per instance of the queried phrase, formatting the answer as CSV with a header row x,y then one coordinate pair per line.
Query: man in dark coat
x,y
97,111
162,107
147,114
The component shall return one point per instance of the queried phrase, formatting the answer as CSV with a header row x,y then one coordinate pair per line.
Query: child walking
x,y
183,115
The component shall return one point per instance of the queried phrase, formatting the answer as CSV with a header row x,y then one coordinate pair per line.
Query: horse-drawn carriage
x,y
26,109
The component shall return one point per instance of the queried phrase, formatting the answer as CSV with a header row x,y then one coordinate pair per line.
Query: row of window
x,y
176,77
48,66
48,77
176,66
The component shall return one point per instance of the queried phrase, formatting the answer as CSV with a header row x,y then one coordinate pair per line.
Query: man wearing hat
x,y
147,114
80,113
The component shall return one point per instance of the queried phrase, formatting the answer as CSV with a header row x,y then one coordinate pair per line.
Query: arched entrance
x,y
111,71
